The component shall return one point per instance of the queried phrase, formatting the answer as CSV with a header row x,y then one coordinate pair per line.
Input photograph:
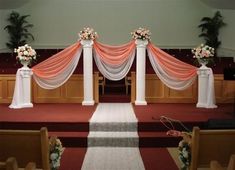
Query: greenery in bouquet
x,y
141,33
25,54
56,151
203,53
185,150
88,34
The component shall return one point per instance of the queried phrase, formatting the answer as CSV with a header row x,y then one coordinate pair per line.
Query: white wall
x,y
227,35
173,23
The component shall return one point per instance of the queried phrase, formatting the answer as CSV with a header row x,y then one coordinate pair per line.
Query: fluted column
x,y
26,74
203,80
87,72
140,72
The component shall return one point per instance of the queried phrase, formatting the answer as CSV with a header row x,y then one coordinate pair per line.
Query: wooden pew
x,y
26,146
208,145
11,164
215,165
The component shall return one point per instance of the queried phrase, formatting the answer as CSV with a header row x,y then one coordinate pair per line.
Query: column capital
x,y
203,72
141,43
26,72
87,43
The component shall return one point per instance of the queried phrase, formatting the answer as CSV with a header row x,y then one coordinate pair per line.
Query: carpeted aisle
x,y
113,139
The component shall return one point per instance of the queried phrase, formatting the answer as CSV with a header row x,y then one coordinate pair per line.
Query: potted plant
x,y
210,29
18,30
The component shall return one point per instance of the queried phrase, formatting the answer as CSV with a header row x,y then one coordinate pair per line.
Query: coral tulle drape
x,y
114,62
57,69
172,72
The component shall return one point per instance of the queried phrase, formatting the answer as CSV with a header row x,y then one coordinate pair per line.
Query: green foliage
x,y
18,30
210,29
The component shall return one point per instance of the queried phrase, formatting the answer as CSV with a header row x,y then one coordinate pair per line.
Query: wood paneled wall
x,y
156,91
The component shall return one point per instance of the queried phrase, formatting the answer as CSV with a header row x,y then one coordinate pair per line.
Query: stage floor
x,y
78,113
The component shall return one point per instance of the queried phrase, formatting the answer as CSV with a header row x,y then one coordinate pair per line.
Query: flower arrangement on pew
x,y
185,150
88,34
141,34
184,146
203,53
25,54
56,151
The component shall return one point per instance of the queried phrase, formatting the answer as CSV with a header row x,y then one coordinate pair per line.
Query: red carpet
x,y
154,159
48,113
70,123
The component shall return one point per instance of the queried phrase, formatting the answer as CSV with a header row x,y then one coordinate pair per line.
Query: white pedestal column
x,y
203,80
140,72
26,74
87,73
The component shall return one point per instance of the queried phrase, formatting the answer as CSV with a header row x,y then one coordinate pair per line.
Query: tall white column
x,y
140,72
87,72
203,80
26,74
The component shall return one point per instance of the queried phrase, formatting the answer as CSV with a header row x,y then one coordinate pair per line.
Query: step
x,y
113,126
157,139
71,139
115,139
146,139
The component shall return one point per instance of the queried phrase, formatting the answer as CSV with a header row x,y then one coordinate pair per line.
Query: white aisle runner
x,y
113,139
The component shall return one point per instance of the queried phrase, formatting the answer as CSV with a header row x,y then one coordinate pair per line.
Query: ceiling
x,y
218,4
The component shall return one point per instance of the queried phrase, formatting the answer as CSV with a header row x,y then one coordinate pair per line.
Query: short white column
x,y
203,80
87,73
140,72
26,74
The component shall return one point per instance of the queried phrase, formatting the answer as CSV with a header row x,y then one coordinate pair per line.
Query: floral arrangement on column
x,y
88,34
25,54
141,34
203,54
56,151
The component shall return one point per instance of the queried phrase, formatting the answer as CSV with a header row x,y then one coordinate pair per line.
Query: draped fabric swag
x,y
172,72
176,74
114,62
57,69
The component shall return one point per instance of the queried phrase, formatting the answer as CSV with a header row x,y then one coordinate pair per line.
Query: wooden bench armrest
x,y
215,165
231,164
30,166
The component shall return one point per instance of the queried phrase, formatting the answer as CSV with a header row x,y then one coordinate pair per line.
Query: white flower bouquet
x,y
56,151
141,33
185,150
25,54
88,34
203,53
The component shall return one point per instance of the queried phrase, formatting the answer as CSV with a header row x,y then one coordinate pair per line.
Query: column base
x,y
88,103
203,105
24,105
140,102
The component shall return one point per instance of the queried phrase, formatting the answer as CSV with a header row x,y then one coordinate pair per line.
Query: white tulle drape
x,y
210,102
112,72
60,79
167,79
18,96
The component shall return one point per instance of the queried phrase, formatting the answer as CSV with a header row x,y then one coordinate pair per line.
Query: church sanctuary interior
x,y
117,84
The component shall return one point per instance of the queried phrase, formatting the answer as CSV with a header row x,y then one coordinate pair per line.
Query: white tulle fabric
x,y
59,79
114,72
210,91
168,80
18,101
